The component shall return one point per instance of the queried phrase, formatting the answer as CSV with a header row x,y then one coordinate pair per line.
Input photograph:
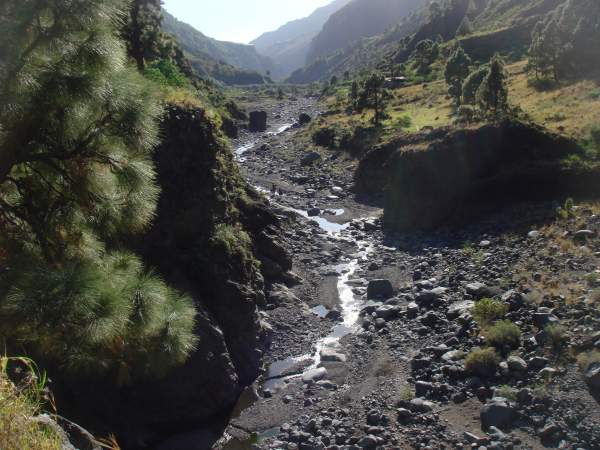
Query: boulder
x,y
380,289
310,159
304,119
258,121
498,413
516,364
592,376
314,375
330,355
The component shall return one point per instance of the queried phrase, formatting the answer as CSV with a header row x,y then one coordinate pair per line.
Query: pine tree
x,y
425,54
143,31
354,94
492,94
457,70
78,126
546,48
472,83
374,96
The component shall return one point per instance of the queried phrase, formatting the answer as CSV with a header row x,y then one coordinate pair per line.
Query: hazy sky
x,y
240,20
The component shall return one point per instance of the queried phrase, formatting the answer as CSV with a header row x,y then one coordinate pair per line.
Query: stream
x,y
299,368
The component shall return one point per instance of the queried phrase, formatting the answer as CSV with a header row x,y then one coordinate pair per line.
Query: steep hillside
x,y
288,46
360,18
225,61
365,54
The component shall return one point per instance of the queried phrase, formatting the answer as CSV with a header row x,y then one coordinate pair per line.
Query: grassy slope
x,y
571,109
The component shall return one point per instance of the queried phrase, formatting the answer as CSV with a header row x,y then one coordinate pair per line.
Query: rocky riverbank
x,y
374,337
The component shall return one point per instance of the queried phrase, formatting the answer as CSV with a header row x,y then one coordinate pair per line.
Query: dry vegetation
x,y
18,408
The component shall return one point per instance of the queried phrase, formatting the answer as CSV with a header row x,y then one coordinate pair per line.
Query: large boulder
x,y
381,289
258,121
498,413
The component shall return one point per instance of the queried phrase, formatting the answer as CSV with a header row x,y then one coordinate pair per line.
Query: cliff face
x,y
207,238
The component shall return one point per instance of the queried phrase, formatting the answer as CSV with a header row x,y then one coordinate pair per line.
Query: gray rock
x,y
497,413
480,290
280,294
544,317
314,375
387,312
516,364
592,376
313,212
330,355
421,406
380,289
310,158
368,442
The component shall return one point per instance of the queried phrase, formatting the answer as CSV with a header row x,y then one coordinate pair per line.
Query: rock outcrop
x,y
451,175
208,234
258,121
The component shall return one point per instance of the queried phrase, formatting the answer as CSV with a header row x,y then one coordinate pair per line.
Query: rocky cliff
x,y
209,237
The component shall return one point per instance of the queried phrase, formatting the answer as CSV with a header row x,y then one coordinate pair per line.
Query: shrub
x,y
567,210
165,73
557,335
482,362
404,122
487,311
504,334
506,392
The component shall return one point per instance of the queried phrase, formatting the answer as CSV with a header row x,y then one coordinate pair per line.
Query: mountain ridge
x,y
289,44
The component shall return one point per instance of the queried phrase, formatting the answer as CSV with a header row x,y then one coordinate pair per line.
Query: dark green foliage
x,y
374,96
565,42
78,127
425,54
142,31
166,73
354,95
98,315
492,95
546,51
472,83
457,70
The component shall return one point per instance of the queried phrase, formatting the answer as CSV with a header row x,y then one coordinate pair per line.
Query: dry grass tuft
x,y
18,407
